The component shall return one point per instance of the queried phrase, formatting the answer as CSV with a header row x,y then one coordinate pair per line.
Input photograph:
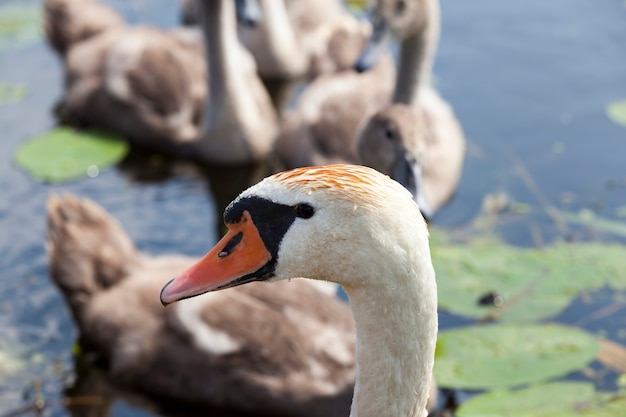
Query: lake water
x,y
529,81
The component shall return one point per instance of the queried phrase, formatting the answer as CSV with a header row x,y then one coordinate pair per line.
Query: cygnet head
x,y
343,223
404,17
401,19
393,141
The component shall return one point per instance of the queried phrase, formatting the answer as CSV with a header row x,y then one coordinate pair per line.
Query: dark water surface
x,y
529,81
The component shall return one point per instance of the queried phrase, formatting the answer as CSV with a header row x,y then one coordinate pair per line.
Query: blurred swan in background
x,y
419,141
299,38
283,350
150,85
144,83
325,126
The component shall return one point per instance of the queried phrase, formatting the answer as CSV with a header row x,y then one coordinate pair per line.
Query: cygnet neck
x,y
238,123
219,26
416,57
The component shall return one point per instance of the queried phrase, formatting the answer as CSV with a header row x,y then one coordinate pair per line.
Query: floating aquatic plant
x,y
533,283
510,355
558,399
64,153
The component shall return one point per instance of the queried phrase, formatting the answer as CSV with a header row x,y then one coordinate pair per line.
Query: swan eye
x,y
388,134
304,210
400,6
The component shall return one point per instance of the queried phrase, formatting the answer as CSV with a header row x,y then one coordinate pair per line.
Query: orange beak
x,y
238,254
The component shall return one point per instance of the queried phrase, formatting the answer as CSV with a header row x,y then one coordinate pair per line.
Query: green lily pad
x,y
20,24
616,111
533,283
559,399
10,93
63,154
506,355
529,402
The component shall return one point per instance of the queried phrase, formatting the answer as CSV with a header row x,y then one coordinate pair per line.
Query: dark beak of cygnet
x,y
407,170
376,45
248,12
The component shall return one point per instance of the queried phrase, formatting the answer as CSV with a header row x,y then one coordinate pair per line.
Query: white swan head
x,y
343,223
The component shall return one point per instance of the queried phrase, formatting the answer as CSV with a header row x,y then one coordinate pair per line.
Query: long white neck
x,y
417,54
396,324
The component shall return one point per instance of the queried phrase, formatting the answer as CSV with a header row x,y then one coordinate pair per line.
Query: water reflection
x,y
223,183
93,394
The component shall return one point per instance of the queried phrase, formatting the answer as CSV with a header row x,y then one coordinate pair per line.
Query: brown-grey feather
x,y
160,79
68,22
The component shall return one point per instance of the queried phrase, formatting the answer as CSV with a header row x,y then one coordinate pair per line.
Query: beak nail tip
x,y
165,303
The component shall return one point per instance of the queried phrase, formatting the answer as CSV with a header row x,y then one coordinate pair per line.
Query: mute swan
x,y
150,85
354,226
285,350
